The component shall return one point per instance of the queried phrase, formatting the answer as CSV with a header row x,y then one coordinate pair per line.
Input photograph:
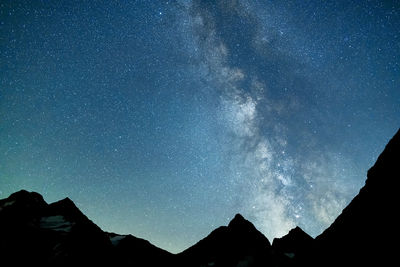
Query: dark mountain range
x,y
32,231
35,233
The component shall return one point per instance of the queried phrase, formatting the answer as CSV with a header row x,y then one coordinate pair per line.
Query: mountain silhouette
x,y
367,230
239,243
293,242
33,232
292,248
132,251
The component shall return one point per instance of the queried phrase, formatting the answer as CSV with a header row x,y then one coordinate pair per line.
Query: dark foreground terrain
x,y
35,233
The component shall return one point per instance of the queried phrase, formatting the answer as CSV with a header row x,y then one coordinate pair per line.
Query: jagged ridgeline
x,y
35,233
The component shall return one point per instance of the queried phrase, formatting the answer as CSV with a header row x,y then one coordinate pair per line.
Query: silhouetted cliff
x,y
367,230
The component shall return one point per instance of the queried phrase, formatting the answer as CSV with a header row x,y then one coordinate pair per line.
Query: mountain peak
x,y
294,242
238,216
229,246
237,220
25,195
66,202
297,231
19,193
25,200
68,208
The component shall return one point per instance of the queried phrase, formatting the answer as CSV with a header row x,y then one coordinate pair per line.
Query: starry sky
x,y
163,119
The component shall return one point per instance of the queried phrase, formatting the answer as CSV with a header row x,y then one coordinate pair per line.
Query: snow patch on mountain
x,y
8,203
116,239
56,223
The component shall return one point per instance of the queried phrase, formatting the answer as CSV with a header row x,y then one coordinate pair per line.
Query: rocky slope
x,y
367,229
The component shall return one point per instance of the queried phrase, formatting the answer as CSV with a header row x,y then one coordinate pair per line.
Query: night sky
x,y
163,119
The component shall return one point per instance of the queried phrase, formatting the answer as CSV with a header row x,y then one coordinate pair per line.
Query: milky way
x,y
165,119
